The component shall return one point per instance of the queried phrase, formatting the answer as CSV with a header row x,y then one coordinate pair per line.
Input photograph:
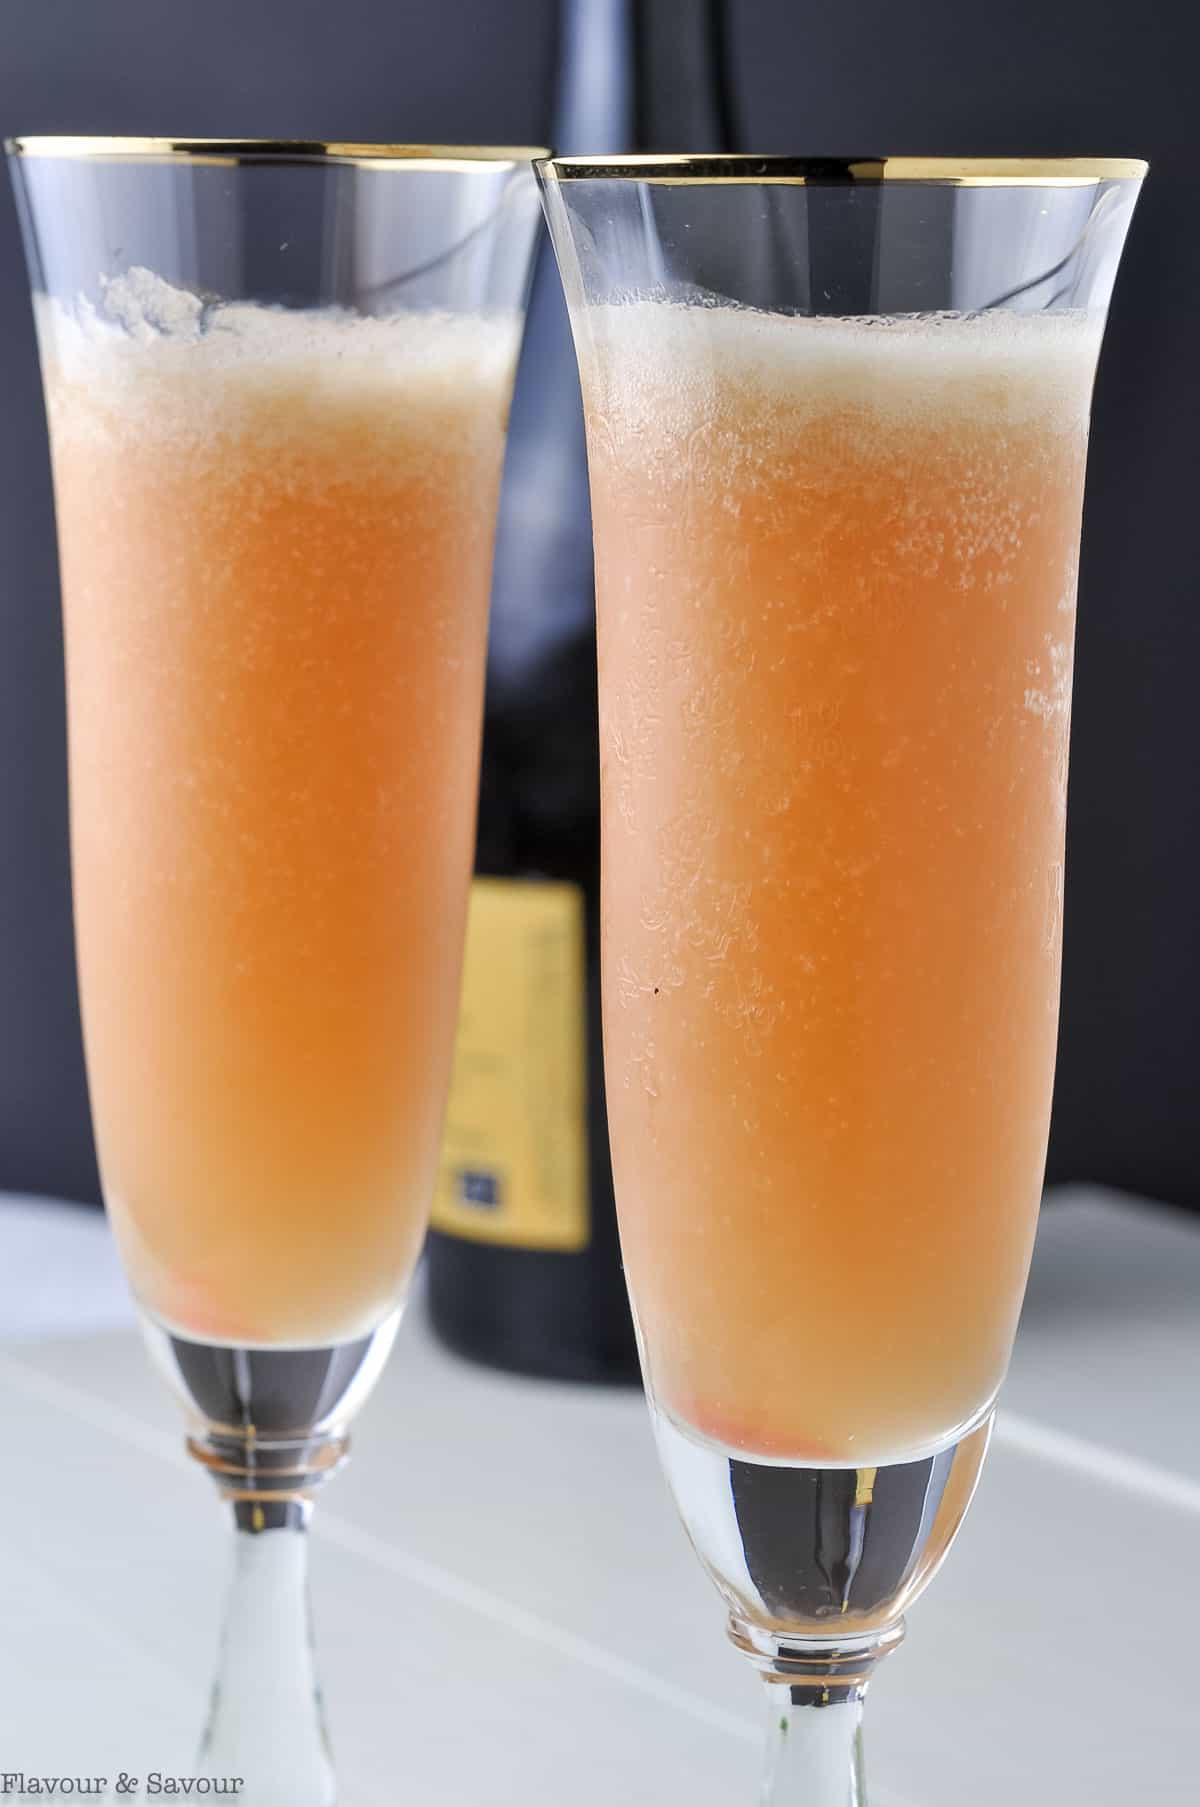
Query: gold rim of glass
x,y
959,172
227,151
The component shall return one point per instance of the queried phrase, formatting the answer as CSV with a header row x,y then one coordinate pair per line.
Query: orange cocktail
x,y
836,567
275,537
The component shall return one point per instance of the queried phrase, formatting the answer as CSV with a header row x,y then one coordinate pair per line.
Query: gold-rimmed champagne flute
x,y
277,378
837,417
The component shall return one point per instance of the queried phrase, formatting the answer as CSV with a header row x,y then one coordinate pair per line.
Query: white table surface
x,y
508,1612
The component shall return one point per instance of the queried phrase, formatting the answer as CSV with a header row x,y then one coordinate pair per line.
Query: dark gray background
x,y
1033,76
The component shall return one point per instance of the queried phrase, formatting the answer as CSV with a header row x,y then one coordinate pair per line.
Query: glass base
x,y
269,1422
819,1554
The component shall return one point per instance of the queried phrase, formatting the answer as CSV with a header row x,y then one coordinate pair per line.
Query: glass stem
x,y
815,1693
814,1755
266,1723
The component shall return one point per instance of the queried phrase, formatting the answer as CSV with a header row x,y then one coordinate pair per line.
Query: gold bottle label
x,y
514,1157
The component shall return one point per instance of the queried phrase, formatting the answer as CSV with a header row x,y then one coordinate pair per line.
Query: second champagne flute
x,y
837,420
277,377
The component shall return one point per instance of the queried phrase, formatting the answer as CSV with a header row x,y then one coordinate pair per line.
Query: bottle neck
x,y
683,89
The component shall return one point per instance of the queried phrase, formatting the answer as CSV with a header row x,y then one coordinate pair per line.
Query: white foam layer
x,y
650,365
156,360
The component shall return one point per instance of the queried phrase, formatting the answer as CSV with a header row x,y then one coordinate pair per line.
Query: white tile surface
x,y
1110,1336
508,1612
59,1274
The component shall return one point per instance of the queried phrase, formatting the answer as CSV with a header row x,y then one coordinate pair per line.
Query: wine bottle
x,y
523,1266
524,1263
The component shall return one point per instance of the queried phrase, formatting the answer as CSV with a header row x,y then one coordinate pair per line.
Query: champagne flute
x,y
277,377
837,418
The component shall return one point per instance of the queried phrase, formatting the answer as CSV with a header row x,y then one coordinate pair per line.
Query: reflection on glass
x,y
276,382
837,425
